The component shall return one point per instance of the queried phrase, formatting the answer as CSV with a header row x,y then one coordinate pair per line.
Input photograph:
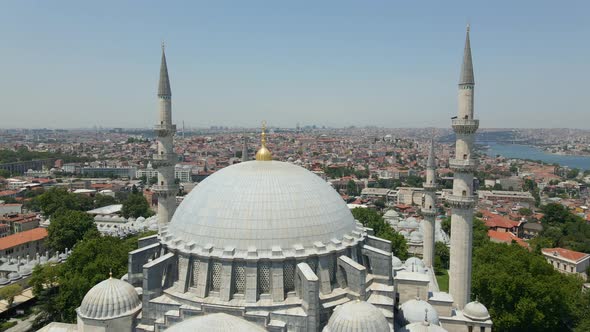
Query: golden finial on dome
x,y
263,154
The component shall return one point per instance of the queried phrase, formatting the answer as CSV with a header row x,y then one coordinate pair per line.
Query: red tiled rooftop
x,y
493,220
566,253
13,240
506,237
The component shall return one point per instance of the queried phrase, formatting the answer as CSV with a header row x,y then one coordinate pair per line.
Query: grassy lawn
x,y
443,281
6,325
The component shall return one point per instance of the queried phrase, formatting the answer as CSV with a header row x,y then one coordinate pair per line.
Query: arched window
x,y
464,193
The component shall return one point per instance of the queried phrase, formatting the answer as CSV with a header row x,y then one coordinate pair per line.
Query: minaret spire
x,y
429,208
467,66
245,148
463,199
165,159
164,84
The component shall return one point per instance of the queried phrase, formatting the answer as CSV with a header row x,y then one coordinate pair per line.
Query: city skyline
x,y
335,64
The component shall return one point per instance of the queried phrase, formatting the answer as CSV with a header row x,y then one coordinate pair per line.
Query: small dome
x,y
26,271
396,262
391,214
417,262
415,311
476,311
412,223
423,327
357,316
219,322
416,237
111,298
404,233
4,281
14,276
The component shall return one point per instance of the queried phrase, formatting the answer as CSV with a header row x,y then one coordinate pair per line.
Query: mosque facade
x,y
265,245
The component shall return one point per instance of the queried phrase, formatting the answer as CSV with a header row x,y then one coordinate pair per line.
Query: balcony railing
x,y
465,126
461,201
462,164
162,127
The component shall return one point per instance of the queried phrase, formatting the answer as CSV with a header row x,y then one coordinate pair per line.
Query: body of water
x,y
533,153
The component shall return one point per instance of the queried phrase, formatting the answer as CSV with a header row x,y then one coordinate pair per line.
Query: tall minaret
x,y
463,200
245,149
429,208
165,159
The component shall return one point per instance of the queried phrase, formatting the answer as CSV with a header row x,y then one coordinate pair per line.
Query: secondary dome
x,y
357,316
262,205
219,322
476,311
423,327
416,311
111,298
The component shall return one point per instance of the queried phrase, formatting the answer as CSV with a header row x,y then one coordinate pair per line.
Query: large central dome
x,y
263,206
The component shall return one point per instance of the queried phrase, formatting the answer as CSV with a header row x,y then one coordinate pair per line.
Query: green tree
x,y
441,257
351,188
104,200
572,173
4,173
9,292
414,181
525,212
57,198
555,213
44,282
136,206
480,233
60,289
372,219
523,292
480,230
446,225
67,227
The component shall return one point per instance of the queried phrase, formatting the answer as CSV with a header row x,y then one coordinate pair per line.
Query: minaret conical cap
x,y
467,66
164,84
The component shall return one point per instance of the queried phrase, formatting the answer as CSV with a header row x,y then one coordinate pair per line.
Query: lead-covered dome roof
x,y
357,316
262,206
476,311
111,298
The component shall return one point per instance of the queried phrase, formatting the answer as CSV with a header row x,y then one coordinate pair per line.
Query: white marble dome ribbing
x,y
262,206
357,316
476,311
111,298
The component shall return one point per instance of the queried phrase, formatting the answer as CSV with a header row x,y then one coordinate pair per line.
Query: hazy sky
x,y
338,63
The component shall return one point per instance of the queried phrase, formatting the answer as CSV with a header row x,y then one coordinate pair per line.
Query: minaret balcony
x,y
463,165
164,159
461,202
429,186
465,126
165,188
428,212
165,129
